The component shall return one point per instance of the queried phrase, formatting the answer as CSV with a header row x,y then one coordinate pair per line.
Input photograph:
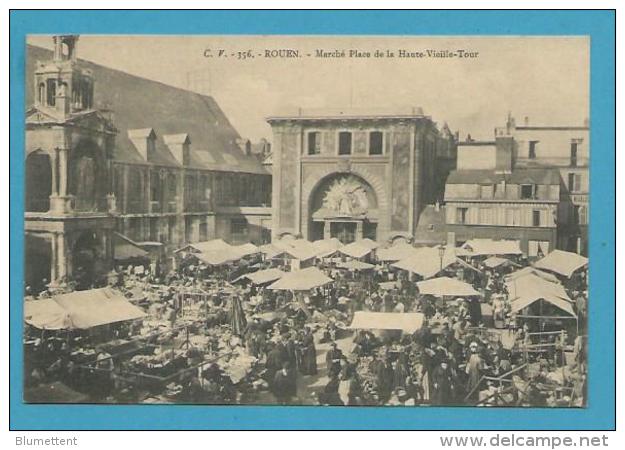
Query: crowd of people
x,y
302,350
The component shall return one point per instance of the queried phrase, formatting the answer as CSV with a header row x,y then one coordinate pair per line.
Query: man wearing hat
x,y
442,385
333,358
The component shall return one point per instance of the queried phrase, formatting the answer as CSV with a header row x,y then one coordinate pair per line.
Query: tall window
x,y
536,217
41,93
527,191
532,149
314,143
461,215
376,143
575,181
345,143
51,91
574,145
155,186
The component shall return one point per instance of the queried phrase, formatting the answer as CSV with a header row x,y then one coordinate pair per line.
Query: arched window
x,y
41,93
51,91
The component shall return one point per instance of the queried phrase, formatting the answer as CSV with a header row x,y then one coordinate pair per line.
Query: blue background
x,y
599,25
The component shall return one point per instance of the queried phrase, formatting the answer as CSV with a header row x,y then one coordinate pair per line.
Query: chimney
x,y
144,140
245,146
503,156
179,146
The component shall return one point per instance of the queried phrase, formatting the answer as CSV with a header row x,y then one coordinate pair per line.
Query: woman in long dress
x,y
309,354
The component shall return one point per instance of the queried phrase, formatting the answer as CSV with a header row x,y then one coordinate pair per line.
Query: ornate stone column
x,y
60,201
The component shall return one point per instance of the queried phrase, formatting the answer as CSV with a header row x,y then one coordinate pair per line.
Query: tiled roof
x,y
138,103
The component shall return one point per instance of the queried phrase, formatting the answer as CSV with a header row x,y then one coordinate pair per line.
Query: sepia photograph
x,y
306,220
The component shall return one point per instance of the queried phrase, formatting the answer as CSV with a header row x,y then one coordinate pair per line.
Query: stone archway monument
x,y
343,206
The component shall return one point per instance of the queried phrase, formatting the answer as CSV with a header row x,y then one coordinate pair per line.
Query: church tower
x,y
69,148
62,86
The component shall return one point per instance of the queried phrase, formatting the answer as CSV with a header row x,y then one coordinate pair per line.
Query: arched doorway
x,y
85,176
343,206
38,182
85,259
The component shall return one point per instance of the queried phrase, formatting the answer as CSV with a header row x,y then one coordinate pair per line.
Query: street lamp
x,y
441,253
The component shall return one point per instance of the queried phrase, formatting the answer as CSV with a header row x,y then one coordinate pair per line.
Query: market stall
x,y
562,263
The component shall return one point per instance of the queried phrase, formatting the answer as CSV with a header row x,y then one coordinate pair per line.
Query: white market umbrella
x,y
445,286
302,280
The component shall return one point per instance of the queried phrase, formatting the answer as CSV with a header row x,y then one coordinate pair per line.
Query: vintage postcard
x,y
307,220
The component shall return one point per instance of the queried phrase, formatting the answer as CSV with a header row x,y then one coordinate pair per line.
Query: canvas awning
x,y
263,276
297,249
496,261
46,314
408,322
534,286
246,249
326,247
125,248
302,280
87,309
369,243
271,251
562,263
205,246
532,271
355,250
355,265
218,257
482,247
426,261
446,286
527,300
396,252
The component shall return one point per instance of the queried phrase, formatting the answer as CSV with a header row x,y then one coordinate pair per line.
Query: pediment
x,y
37,115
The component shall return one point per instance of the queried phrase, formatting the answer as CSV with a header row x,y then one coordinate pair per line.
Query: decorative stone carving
x,y
347,197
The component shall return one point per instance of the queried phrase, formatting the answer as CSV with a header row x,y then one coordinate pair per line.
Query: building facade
x,y
530,183
353,175
486,197
566,148
108,152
